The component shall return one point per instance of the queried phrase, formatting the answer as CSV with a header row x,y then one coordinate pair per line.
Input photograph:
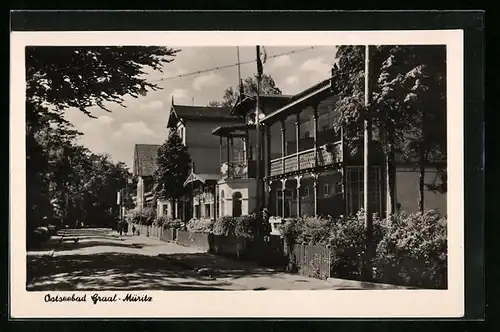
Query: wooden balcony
x,y
327,154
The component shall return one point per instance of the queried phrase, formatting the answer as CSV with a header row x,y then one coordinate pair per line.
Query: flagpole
x,y
240,83
257,127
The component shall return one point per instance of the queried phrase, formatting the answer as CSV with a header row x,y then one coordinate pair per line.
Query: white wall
x,y
247,188
160,208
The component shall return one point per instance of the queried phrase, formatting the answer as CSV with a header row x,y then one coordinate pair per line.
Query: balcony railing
x,y
240,169
327,154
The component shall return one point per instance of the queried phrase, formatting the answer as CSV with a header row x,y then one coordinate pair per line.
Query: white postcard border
x,y
247,304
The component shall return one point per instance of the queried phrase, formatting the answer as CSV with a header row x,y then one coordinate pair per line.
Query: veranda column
x,y
283,145
316,193
283,197
227,150
269,197
299,198
220,150
297,139
232,149
267,163
315,135
247,143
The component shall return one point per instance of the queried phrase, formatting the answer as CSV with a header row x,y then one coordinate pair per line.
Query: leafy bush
x,y
411,249
174,224
414,250
145,217
224,226
200,225
160,221
248,226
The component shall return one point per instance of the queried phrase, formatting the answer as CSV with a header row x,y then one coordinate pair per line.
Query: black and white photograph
x,y
169,167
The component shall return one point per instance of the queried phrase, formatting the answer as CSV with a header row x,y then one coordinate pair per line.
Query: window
x,y
207,210
355,189
237,204
197,211
306,192
338,187
326,190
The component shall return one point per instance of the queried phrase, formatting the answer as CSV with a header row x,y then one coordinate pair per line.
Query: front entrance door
x,y
237,204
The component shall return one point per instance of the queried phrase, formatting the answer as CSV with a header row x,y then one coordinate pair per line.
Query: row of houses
x,y
305,167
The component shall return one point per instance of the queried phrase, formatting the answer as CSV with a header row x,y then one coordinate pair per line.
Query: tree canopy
x,y
231,95
407,100
65,180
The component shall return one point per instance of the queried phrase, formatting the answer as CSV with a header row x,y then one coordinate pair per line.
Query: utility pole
x,y
367,166
257,127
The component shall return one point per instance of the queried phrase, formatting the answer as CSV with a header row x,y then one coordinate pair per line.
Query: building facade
x,y
194,125
143,170
306,167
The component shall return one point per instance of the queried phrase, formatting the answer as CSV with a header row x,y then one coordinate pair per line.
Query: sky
x,y
143,120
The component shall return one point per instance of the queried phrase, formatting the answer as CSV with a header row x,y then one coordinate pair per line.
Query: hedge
x,y
411,249
248,226
200,225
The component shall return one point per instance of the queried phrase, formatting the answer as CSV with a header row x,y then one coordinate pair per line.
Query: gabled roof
x,y
145,159
318,91
207,113
203,178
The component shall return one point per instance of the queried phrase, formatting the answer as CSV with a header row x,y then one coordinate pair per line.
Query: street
x,y
100,259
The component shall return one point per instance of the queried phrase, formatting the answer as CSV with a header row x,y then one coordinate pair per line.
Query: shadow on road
x,y
71,245
110,271
125,271
221,266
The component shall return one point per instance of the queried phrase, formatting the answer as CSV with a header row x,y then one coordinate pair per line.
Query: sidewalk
x,y
248,275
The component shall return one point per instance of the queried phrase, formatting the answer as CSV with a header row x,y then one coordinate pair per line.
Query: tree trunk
x,y
390,172
421,185
422,162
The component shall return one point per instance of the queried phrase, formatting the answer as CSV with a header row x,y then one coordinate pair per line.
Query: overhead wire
x,y
203,71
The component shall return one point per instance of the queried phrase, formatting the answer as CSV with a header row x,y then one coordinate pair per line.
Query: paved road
x,y
100,259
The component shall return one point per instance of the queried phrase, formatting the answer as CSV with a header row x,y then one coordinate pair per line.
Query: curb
x,y
375,285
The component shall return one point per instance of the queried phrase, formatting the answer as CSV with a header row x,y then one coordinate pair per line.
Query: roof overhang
x,y
233,131
203,178
308,96
173,118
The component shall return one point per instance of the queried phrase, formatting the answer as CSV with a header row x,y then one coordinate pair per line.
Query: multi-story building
x,y
143,169
237,187
307,168
194,125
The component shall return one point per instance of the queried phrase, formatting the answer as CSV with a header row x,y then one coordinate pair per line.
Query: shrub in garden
x,y
200,225
174,224
247,226
145,217
160,221
345,236
413,250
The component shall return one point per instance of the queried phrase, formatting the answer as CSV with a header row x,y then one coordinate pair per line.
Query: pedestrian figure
x,y
133,229
120,227
125,227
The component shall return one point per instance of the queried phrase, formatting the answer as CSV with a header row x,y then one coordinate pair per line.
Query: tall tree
x,y
406,98
426,100
174,165
231,95
59,78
